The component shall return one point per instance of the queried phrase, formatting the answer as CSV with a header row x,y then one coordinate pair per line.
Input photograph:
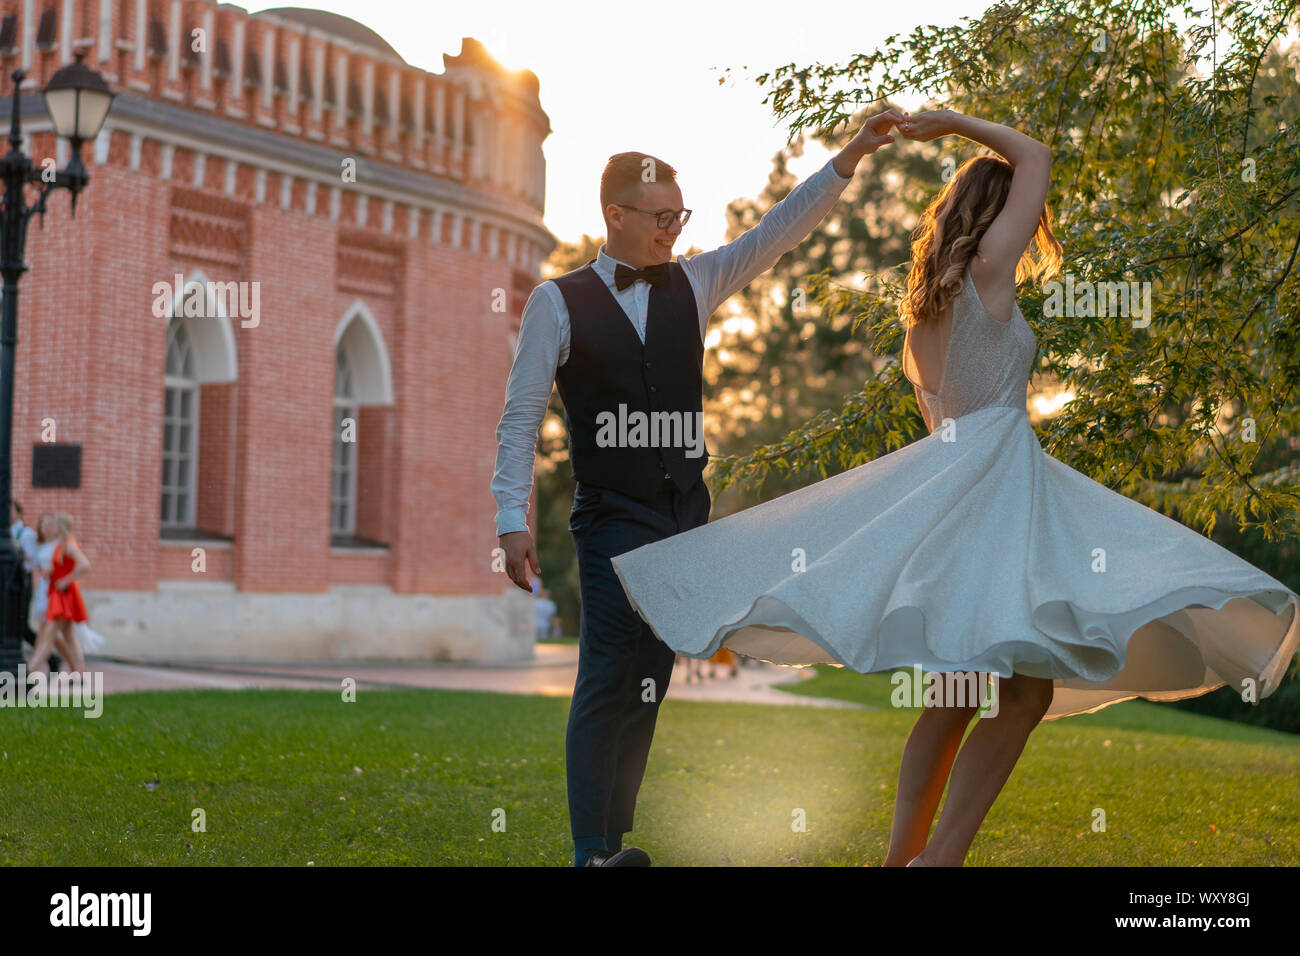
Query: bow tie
x,y
656,275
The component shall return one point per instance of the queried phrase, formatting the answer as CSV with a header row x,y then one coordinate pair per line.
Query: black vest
x,y
608,366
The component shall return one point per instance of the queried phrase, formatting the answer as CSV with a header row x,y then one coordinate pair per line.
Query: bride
x,y
972,549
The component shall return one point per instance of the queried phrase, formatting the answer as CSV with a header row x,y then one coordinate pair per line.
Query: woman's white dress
x,y
41,584
972,549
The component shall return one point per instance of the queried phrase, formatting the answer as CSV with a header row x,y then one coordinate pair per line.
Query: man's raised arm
x,y
720,273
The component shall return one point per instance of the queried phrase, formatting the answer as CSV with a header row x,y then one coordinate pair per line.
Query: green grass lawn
x,y
414,777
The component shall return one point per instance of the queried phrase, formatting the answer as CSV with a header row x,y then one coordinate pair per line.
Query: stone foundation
x,y
214,623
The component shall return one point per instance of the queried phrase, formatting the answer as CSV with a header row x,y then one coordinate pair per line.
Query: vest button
x,y
648,364
653,389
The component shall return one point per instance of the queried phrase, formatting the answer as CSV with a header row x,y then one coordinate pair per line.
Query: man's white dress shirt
x,y
544,328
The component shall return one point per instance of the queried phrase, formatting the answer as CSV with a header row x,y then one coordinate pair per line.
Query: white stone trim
x,y
174,41
268,67
29,32
169,141
216,359
394,104
105,43
295,68
209,39
65,31
183,544
368,355
141,33
198,621
340,91
318,85
458,124
196,583
417,125
237,65
367,97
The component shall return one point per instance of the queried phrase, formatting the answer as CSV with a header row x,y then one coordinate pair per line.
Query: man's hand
x,y
520,554
873,135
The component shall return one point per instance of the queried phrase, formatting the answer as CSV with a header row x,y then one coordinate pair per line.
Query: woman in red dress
x,y
66,605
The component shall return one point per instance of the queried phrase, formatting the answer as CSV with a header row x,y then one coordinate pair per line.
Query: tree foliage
x,y
1176,163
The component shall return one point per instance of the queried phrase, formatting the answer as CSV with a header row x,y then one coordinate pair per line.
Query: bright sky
x,y
617,78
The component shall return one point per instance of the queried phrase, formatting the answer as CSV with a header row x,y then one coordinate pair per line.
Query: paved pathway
x,y
552,673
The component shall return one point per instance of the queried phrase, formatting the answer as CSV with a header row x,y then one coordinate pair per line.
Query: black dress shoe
x,y
632,856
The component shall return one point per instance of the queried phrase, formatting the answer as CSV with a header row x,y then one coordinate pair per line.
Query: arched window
x,y
200,360
343,485
360,508
180,429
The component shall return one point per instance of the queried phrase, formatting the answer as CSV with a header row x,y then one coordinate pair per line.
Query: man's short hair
x,y
625,172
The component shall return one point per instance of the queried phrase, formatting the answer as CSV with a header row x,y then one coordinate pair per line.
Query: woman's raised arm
x,y
1009,234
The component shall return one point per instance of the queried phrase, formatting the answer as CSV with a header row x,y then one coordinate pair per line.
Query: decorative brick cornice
x,y
307,77
208,228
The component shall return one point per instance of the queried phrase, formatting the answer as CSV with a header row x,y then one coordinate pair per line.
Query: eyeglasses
x,y
663,219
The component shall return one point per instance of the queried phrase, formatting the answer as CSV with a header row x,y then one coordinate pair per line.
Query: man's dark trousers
x,y
611,721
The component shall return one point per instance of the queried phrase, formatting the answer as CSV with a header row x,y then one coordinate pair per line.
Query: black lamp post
x,y
77,99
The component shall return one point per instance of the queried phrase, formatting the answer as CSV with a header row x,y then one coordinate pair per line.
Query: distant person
x,y
543,610
22,533
65,606
47,539
26,538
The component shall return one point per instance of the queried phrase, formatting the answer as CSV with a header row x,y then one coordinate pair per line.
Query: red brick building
x,y
287,452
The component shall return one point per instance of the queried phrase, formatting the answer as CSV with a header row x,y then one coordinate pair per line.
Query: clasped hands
x,y
919,127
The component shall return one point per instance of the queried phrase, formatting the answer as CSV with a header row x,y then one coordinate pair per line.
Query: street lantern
x,y
77,99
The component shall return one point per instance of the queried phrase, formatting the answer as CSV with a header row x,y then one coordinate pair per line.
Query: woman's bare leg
x,y
927,759
61,648
983,766
44,644
71,647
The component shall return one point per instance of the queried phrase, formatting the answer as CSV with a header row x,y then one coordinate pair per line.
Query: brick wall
x,y
91,352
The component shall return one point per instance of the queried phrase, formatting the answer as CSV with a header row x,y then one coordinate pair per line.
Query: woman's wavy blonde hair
x,y
945,240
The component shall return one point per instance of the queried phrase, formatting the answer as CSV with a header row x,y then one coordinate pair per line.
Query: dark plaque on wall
x,y
56,466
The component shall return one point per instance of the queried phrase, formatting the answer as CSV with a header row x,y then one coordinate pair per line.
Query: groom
x,y
623,339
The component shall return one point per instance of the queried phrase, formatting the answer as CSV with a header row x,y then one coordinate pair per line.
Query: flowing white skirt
x,y
981,553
